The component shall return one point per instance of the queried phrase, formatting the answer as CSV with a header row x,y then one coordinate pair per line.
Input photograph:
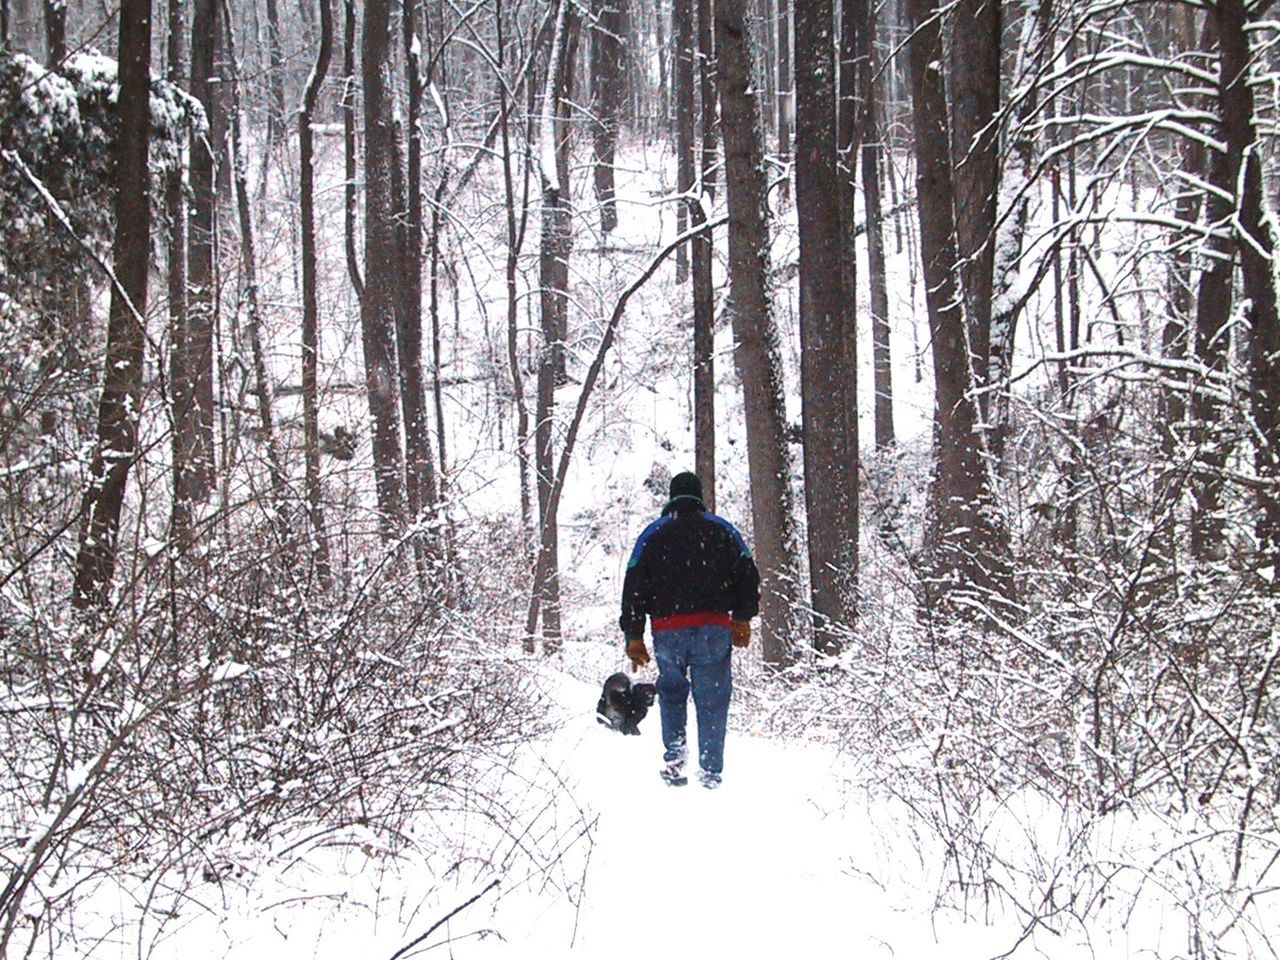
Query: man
x,y
692,574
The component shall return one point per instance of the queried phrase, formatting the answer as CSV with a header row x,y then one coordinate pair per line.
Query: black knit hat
x,y
685,486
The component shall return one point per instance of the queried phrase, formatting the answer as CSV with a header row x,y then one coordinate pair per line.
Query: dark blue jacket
x,y
688,561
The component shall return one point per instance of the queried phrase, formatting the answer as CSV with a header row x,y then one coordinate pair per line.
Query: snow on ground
x,y
599,858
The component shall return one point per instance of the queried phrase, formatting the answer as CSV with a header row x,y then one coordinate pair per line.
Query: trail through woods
x,y
785,859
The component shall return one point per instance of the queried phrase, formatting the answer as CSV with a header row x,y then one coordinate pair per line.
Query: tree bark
x,y
683,34
758,354
349,145
784,86
557,239
965,538
176,270
275,110
55,32
515,239
701,254
859,137
384,206
1006,304
310,300
120,404
975,162
882,351
1211,341
419,457
828,381
608,63
249,270
1257,254
193,413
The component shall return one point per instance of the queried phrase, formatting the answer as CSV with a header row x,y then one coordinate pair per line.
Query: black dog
x,y
622,705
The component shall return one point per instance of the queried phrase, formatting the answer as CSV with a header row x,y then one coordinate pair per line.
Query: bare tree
x,y
1018,179
682,29
275,53
1212,337
828,369
557,241
784,102
882,350
608,62
419,458
758,355
310,302
965,537
193,414
251,297
384,207
176,274
704,303
55,31
121,402
514,241
1257,253
975,162
349,144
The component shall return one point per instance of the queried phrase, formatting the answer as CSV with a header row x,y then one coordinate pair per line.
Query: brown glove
x,y
740,630
637,653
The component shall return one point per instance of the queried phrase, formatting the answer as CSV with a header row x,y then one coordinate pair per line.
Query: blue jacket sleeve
x,y
636,591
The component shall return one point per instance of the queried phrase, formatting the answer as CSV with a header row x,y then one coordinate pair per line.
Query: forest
x,y
347,345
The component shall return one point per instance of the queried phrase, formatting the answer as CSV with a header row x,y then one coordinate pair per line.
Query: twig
x,y
443,920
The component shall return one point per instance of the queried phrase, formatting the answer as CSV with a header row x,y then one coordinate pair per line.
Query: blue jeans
x,y
697,658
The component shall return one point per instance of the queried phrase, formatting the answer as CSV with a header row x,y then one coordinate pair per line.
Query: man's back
x,y
688,561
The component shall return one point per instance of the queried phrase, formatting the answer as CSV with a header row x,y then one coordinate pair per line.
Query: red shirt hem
x,y
714,618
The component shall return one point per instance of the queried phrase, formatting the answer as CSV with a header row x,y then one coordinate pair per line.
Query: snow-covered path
x,y
775,862
785,859
748,867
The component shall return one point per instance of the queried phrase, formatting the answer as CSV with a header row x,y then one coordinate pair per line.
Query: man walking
x,y
692,575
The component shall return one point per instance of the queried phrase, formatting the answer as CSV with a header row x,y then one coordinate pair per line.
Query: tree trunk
x,y
310,300
882,352
193,414
975,164
515,237
858,135
557,226
683,33
349,145
1173,346
1211,342
828,381
1257,254
1006,304
758,354
275,110
557,239
176,269
419,457
964,535
701,254
785,88
55,32
249,257
384,207
120,404
608,63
